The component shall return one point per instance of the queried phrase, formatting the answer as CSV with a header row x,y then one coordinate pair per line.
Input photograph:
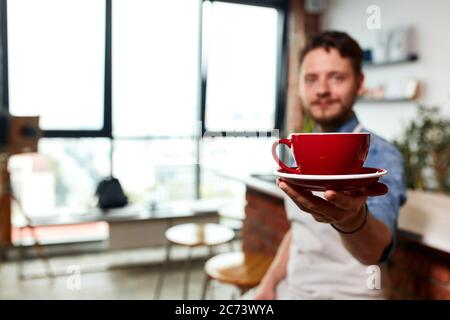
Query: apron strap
x,y
358,128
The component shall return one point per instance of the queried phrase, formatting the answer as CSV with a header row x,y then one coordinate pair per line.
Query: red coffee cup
x,y
326,153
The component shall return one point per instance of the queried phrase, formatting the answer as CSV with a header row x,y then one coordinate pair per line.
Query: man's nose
x,y
323,90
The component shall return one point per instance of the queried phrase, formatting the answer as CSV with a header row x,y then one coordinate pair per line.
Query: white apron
x,y
319,266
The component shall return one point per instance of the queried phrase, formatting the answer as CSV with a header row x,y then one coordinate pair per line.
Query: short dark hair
x,y
341,41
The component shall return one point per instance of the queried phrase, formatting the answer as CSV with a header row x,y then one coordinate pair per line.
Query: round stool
x,y
243,270
193,235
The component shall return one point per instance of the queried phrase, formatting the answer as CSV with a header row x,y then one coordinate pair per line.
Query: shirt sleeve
x,y
386,208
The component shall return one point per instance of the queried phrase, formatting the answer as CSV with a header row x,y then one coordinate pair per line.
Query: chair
x,y
192,235
26,223
40,250
243,270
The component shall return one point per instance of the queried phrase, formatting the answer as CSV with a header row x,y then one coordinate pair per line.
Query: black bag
x,y
110,194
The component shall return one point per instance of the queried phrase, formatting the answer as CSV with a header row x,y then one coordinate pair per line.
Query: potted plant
x,y
425,146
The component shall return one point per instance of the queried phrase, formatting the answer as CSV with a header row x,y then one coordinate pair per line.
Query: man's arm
x,y
368,244
276,272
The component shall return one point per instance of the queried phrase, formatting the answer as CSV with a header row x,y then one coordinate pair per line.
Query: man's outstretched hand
x,y
345,210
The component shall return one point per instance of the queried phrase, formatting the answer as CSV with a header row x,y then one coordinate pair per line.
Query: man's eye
x,y
309,80
338,78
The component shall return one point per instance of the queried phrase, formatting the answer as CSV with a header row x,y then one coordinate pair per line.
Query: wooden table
x,y
192,235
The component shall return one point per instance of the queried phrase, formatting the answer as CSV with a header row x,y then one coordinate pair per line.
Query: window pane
x,y
239,155
241,55
159,170
155,67
64,173
56,62
235,158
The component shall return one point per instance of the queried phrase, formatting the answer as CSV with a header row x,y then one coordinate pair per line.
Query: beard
x,y
320,115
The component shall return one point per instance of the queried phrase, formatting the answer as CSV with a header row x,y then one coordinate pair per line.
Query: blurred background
x,y
174,106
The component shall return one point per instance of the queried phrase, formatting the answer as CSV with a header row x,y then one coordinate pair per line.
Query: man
x,y
335,236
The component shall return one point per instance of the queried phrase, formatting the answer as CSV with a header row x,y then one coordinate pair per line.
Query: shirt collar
x,y
348,126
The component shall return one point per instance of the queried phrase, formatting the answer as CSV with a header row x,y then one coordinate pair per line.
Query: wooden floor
x,y
106,276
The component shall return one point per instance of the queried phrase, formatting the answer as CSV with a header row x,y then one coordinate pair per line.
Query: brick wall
x,y
419,272
416,271
265,223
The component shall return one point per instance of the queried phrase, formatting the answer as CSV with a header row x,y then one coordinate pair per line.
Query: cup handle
x,y
288,143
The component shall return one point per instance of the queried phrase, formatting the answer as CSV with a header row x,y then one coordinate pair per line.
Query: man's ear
x,y
299,83
299,88
360,84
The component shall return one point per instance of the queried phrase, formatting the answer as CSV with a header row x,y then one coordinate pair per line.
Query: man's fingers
x,y
310,203
354,200
335,204
319,218
376,189
345,201
304,198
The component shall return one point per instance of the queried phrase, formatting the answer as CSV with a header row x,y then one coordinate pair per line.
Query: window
x,y
156,169
236,157
241,51
155,67
56,55
121,80
242,59
65,173
155,70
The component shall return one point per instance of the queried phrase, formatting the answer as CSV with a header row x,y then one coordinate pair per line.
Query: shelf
x,y
364,100
411,58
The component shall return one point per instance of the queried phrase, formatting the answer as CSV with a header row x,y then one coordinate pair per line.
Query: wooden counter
x,y
426,218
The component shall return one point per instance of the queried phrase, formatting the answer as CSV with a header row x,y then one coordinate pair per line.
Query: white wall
x,y
432,28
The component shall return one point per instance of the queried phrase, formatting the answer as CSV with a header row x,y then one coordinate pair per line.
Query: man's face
x,y
328,86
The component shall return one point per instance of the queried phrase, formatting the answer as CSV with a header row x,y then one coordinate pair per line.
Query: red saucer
x,y
343,182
